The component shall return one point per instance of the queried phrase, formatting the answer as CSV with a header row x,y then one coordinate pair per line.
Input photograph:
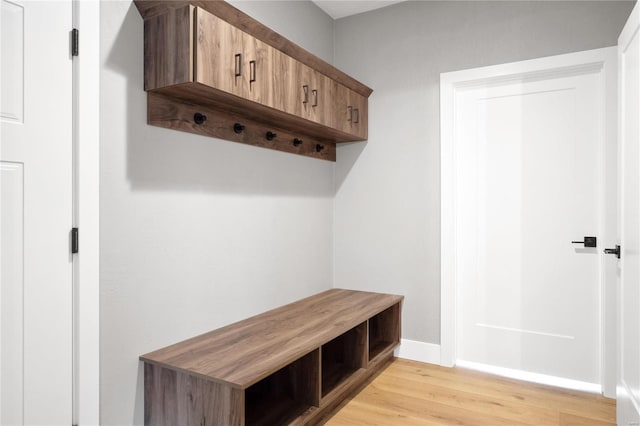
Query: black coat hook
x,y
271,136
199,118
297,142
238,128
319,147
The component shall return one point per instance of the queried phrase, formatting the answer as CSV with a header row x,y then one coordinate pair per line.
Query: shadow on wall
x,y
161,159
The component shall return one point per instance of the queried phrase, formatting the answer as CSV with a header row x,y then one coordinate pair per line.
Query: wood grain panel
x,y
168,48
160,390
151,8
174,398
287,89
320,105
260,76
264,343
171,114
220,54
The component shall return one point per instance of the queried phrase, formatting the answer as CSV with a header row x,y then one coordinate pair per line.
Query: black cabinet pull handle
x,y
238,128
350,111
297,142
238,64
315,98
199,118
319,147
270,136
357,112
305,90
252,71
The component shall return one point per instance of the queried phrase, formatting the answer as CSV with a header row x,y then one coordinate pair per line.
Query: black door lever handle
x,y
615,251
588,242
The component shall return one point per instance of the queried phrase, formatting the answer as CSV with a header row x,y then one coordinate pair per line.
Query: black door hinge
x,y
74,241
75,42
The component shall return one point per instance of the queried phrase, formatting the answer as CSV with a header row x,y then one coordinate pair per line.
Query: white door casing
x,y
36,213
628,389
527,111
86,199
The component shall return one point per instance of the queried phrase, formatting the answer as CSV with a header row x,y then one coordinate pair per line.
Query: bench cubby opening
x,y
285,395
343,356
384,331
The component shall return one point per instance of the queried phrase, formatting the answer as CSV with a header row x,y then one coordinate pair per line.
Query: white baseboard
x,y
419,351
532,377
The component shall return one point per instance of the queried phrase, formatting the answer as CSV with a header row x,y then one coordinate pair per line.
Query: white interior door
x,y
529,168
36,213
629,290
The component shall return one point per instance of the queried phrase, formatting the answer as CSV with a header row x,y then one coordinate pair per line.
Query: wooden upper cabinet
x,y
351,111
210,54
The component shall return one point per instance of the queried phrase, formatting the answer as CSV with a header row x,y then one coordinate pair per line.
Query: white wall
x,y
387,217
196,232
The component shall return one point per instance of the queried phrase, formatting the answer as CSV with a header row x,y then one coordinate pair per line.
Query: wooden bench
x,y
291,365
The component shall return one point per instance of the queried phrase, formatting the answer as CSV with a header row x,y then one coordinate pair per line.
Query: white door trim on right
x,y
598,60
628,398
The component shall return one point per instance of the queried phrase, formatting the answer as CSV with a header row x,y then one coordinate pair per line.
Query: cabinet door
x,y
219,58
351,112
305,90
285,85
323,100
360,114
315,95
259,77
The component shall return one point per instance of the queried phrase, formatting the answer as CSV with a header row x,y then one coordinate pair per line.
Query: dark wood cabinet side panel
x,y
172,398
223,405
168,48
160,390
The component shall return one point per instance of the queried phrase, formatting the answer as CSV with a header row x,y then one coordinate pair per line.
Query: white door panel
x,y
36,173
629,290
12,102
528,161
11,297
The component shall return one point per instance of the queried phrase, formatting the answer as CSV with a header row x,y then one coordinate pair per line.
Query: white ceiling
x,y
341,8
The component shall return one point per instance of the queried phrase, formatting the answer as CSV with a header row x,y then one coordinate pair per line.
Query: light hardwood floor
x,y
412,393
